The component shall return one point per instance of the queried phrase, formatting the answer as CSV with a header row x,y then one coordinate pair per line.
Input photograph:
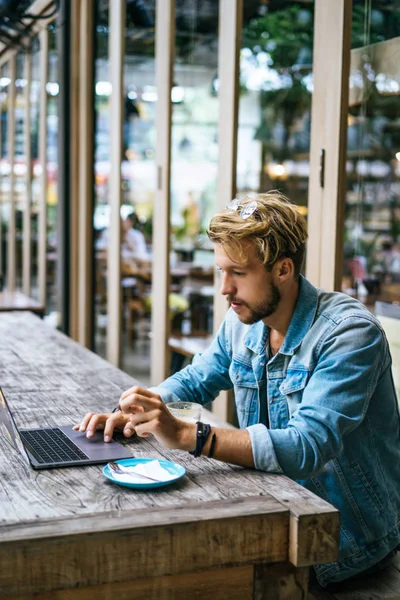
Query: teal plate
x,y
173,468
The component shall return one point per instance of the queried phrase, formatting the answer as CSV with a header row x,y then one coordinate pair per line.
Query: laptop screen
x,y
8,429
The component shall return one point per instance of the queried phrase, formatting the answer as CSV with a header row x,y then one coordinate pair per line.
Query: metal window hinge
x,y
159,177
322,167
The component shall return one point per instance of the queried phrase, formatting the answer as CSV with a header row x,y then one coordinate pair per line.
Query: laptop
x,y
50,447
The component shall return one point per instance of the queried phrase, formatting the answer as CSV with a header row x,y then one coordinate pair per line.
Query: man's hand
x,y
148,415
106,421
145,413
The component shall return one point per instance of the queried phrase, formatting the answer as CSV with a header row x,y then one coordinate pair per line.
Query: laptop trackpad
x,y
96,448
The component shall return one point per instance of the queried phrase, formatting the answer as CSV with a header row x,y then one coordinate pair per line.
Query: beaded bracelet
x,y
203,431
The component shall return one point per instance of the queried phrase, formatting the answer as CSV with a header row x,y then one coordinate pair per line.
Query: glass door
x,y
194,169
276,84
371,263
371,253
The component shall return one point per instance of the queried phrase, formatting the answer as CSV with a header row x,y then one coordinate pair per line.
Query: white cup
x,y
186,411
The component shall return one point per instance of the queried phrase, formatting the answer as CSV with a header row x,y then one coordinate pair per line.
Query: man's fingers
x,y
143,431
136,389
129,430
83,424
114,420
151,418
96,422
138,403
107,421
128,392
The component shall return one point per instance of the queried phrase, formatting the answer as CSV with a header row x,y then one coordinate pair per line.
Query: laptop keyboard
x,y
51,446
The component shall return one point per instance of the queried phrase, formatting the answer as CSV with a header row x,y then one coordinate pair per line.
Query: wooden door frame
x,y
329,109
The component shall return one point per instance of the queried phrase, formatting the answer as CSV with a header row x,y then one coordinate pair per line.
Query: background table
x,y
220,532
188,346
19,301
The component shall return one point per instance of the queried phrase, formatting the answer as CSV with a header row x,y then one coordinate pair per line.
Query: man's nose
x,y
227,286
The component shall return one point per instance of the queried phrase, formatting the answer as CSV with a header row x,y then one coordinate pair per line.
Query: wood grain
x,y
314,538
67,528
329,110
235,583
122,555
314,524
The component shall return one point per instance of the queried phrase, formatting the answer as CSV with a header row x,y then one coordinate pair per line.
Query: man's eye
x,y
238,273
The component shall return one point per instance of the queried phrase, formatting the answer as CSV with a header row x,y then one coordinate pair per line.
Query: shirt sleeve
x,y
334,402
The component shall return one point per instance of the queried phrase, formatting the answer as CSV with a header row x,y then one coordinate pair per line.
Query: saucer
x,y
171,467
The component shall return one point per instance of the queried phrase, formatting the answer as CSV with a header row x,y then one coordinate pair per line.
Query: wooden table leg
x,y
280,581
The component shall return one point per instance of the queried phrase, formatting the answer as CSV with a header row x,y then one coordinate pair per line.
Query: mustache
x,y
233,300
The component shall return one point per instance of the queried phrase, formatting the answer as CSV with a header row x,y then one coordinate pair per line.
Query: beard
x,y
263,309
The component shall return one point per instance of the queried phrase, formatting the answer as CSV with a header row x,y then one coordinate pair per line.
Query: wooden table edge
x,y
115,520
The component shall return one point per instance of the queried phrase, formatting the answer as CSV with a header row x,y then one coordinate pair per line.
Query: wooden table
x,y
221,532
19,301
190,345
183,349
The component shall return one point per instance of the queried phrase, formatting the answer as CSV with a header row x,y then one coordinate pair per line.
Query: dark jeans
x,y
374,570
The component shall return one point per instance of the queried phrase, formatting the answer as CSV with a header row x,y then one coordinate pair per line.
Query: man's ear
x,y
284,269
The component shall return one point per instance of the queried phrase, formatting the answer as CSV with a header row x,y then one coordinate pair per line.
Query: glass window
x,y
52,89
5,167
138,172
275,98
371,267
138,183
101,174
194,167
20,190
36,166
3,222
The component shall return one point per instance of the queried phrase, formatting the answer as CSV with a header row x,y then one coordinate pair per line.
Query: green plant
x,y
286,37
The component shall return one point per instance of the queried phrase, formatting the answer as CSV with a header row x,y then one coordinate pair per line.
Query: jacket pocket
x,y
292,388
246,392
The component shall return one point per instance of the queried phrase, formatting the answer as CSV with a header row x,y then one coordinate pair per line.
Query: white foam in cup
x,y
187,411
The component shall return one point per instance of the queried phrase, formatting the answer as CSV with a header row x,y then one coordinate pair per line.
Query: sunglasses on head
x,y
245,210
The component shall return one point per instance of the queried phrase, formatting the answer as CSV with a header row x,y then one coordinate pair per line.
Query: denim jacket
x,y
334,423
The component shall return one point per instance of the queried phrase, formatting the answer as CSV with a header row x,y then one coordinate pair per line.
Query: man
x,y
311,373
133,243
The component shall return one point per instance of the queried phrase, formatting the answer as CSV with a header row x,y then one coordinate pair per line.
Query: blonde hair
x,y
276,228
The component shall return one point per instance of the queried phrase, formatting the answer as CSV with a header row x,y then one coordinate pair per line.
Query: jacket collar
x,y
302,319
